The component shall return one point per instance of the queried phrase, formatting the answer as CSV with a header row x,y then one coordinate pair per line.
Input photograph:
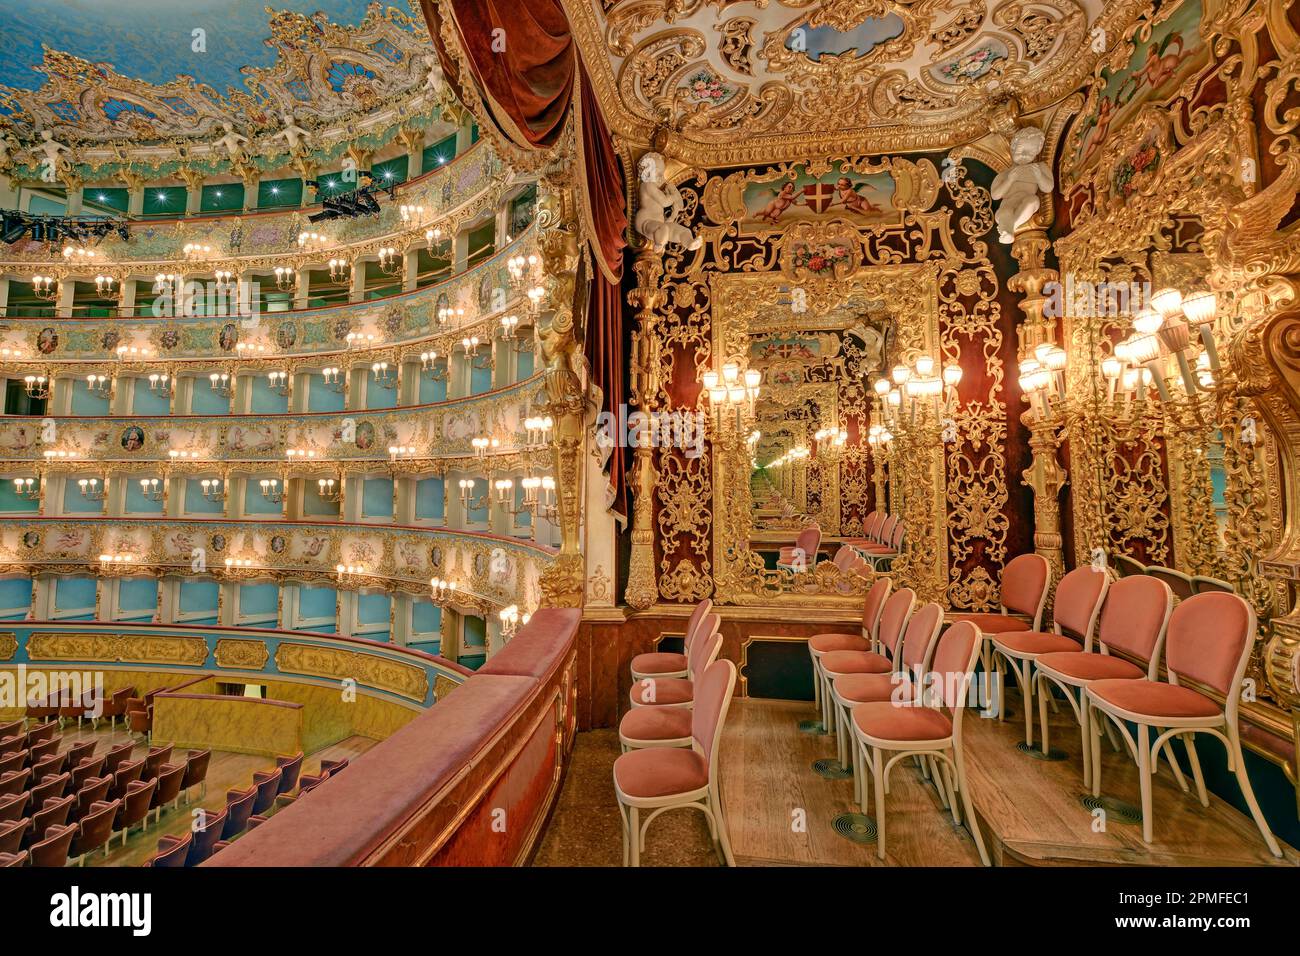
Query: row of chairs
x,y
1206,638
63,824
93,706
896,691
670,738
882,538
244,810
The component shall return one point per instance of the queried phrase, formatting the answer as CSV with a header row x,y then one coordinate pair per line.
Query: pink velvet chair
x,y
1208,642
835,664
1026,580
666,778
888,733
1133,622
679,691
911,662
802,555
866,640
1079,597
667,663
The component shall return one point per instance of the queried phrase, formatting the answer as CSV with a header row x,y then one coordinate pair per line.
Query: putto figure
x,y
661,204
1017,188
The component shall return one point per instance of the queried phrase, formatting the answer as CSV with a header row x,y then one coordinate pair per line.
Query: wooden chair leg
x,y
1144,775
1095,747
1189,741
878,766
1243,781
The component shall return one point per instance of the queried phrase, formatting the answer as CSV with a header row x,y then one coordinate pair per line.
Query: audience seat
x,y
172,851
154,759
95,790
126,774
89,767
13,834
135,806
1079,597
117,755
52,851
53,813
81,750
14,806
1209,640
52,785
13,859
679,691
866,640
802,555
196,772
205,837
14,760
290,770
170,777
887,734
14,781
1179,583
239,807
661,778
95,830
1133,622
667,664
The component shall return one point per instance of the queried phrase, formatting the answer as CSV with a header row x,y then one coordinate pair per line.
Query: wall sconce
x,y
92,490
235,564
225,279
539,496
538,429
511,620
196,250
518,265
732,391
285,278
340,271
400,451
390,263
333,378
152,490
467,499
509,324
160,383
383,377
222,383
28,488
164,281
442,590
313,241
79,254
300,454
36,386
59,455
99,384
213,489
272,490
251,349
432,237
448,314
329,489
110,563
45,287
176,456
483,445
134,353
429,365
11,354
279,382
361,340
535,295
410,215
103,284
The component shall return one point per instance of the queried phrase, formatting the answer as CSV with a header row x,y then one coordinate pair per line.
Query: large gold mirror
x,y
800,456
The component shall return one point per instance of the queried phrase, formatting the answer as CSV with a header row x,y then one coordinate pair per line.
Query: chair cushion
x,y
659,662
991,623
655,723
662,690
660,772
1078,666
1030,643
856,662
865,688
877,548
825,643
1154,699
885,720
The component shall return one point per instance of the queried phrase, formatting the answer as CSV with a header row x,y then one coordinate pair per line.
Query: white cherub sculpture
x,y
658,195
53,151
232,142
294,136
1017,188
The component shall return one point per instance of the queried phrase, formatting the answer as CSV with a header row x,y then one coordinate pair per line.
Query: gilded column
x,y
642,586
1044,476
560,333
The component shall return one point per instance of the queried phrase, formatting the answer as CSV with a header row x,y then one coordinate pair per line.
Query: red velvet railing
x,y
469,782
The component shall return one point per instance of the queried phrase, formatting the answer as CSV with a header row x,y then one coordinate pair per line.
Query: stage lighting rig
x,y
58,230
362,201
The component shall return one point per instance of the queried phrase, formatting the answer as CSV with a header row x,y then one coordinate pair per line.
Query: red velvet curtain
x,y
524,64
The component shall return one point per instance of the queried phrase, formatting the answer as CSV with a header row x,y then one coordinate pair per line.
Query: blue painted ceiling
x,y
151,40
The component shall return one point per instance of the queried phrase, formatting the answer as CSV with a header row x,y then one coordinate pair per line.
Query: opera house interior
x,y
409,406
